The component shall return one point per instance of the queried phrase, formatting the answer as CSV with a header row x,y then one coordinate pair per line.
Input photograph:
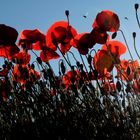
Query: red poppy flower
x,y
107,21
82,42
31,36
8,51
105,76
33,75
134,65
22,74
61,33
103,62
48,54
99,36
115,47
8,35
71,76
109,87
22,57
136,86
4,72
122,70
39,45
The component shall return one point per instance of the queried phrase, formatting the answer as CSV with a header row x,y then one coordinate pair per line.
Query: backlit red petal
x,y
60,32
107,21
8,35
99,36
102,62
23,57
47,55
116,47
8,51
32,36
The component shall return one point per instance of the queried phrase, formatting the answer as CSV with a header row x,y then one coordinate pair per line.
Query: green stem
x,y
126,44
83,62
137,19
136,48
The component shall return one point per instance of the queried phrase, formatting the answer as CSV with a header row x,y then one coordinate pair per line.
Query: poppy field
x,y
94,97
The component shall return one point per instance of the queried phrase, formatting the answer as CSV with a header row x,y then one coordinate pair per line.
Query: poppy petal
x,y
47,55
102,61
60,32
22,57
107,21
31,36
8,51
99,36
8,35
116,47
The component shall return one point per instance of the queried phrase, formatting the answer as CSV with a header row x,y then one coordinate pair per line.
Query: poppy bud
x,y
39,60
72,68
67,13
9,65
45,75
74,89
4,66
20,68
32,66
136,6
5,62
90,74
50,73
95,73
78,64
29,65
134,34
81,67
63,69
89,59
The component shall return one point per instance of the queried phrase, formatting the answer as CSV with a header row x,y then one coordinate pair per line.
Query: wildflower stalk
x,y
68,58
83,62
126,44
67,15
134,38
136,10
63,55
73,56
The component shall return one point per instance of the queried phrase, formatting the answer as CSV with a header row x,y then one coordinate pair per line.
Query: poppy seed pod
x,y
67,13
78,64
136,6
134,34
39,60
95,73
63,69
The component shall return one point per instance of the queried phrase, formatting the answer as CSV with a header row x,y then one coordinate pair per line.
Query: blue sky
x,y
42,13
31,14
